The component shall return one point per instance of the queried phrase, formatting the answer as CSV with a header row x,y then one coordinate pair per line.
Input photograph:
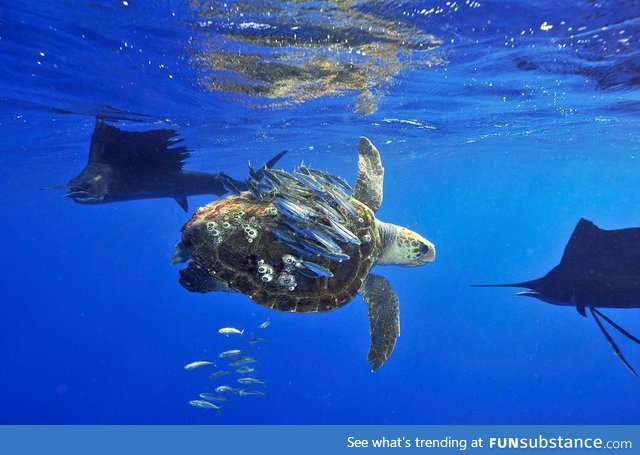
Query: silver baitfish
x,y
342,200
305,246
266,188
318,176
318,250
314,232
245,369
198,364
252,172
212,397
302,270
265,324
247,392
271,176
343,234
254,340
330,212
333,179
293,210
204,404
283,175
242,361
318,269
278,176
282,235
319,234
218,374
288,238
302,169
229,183
230,353
298,192
251,381
255,189
326,228
310,181
225,388
226,331
341,183
298,247
261,191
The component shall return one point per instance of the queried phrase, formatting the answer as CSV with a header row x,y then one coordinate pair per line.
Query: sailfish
x,y
599,269
127,165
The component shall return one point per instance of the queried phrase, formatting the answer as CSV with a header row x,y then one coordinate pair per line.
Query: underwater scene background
x,y
500,124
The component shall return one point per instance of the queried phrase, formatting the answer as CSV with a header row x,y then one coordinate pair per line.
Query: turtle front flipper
x,y
370,175
195,278
384,318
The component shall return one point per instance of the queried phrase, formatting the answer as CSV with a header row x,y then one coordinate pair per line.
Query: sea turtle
x,y
299,242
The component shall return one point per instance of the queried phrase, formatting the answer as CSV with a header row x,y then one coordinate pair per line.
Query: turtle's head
x,y
402,246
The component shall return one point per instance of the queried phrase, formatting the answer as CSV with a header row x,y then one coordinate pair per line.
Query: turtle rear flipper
x,y
370,175
181,254
384,318
195,278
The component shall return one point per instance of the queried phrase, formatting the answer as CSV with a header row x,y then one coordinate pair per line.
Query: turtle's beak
x,y
428,251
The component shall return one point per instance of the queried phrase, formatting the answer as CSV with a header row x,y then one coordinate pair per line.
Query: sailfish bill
x,y
56,187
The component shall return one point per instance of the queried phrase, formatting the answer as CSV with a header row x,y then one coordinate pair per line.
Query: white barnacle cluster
x,y
290,262
212,228
266,271
366,238
286,280
250,232
283,279
249,227
232,221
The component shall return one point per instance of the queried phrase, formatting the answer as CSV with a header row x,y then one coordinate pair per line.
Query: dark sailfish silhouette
x,y
599,269
127,165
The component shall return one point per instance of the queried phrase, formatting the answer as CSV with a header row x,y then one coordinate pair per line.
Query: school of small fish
x,y
313,205
239,362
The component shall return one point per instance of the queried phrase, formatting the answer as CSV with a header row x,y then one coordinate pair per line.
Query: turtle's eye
x,y
424,249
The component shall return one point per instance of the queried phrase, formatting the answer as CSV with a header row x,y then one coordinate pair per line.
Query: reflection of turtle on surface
x,y
294,80
299,242
292,51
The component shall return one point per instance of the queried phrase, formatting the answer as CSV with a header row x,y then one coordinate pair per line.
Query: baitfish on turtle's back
x,y
235,239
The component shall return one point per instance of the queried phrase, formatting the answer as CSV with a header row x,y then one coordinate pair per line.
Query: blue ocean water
x,y
500,124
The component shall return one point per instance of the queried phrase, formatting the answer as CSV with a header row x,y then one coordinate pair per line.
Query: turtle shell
x,y
231,239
